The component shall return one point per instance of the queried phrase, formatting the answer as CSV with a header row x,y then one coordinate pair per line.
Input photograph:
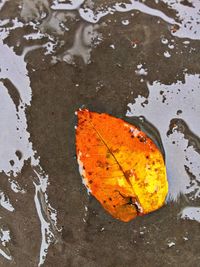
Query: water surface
x,y
131,59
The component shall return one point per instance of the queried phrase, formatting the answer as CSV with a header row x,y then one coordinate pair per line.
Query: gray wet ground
x,y
137,60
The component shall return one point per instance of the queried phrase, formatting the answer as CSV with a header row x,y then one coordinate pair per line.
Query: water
x,y
164,102
138,60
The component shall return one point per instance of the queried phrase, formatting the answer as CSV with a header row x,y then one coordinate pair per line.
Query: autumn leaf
x,y
121,167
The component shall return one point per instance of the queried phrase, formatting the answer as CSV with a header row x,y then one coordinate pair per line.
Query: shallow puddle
x,y
137,60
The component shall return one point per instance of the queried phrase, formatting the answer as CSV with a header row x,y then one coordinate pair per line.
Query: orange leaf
x,y
120,165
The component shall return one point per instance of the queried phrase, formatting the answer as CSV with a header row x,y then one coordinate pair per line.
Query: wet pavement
x,y
136,60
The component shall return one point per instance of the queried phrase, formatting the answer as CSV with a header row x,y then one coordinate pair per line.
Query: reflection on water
x,y
5,202
187,16
161,107
5,238
94,16
191,213
85,36
15,147
62,32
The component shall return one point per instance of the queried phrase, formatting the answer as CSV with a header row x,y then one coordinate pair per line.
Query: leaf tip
x,y
82,113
